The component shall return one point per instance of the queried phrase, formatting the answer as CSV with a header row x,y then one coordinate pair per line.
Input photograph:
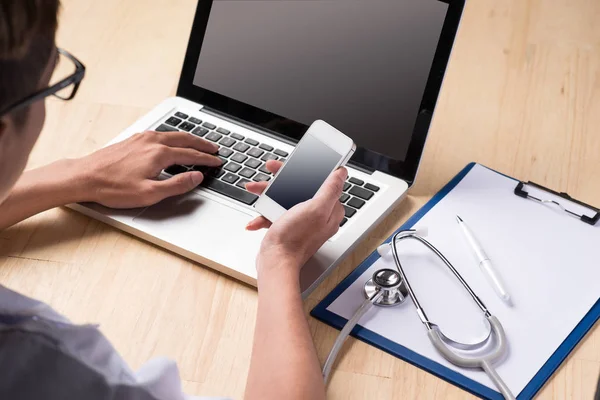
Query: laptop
x,y
256,74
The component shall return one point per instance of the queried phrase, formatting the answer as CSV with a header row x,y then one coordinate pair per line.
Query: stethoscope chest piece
x,y
390,282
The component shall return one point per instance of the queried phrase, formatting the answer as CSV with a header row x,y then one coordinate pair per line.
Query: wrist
x,y
279,266
73,181
284,282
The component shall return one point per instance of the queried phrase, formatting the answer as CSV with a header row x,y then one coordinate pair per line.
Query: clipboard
x,y
546,370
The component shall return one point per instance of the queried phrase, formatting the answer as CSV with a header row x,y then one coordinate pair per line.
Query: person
x,y
43,355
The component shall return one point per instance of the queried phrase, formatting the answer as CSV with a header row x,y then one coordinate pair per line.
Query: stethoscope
x,y
389,288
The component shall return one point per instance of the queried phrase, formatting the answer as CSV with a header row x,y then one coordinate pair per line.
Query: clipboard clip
x,y
580,210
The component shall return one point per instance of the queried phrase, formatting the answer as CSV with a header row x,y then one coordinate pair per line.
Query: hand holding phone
x,y
321,151
301,231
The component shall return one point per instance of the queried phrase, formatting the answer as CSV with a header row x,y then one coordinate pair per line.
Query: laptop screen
x,y
361,65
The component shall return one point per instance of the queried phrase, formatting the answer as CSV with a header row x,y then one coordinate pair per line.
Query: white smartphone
x,y
321,151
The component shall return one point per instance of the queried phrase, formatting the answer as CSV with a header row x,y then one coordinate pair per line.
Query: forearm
x,y
284,360
41,189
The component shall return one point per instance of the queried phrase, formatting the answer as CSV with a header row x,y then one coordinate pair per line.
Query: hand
x,y
124,175
302,230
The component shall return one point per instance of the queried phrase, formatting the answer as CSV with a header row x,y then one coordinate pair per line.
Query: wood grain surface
x,y
521,95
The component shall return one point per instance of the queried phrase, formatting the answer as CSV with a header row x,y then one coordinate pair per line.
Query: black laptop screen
x,y
361,65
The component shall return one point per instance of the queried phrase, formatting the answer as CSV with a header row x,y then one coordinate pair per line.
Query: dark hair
x,y
27,33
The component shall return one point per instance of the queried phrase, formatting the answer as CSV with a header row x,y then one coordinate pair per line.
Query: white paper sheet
x,y
548,261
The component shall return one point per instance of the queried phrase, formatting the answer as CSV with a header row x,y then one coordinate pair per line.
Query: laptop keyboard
x,y
244,160
356,194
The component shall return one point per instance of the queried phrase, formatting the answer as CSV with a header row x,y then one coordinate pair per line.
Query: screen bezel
x,y
291,130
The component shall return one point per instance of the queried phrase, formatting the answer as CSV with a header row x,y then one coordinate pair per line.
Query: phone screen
x,y
304,173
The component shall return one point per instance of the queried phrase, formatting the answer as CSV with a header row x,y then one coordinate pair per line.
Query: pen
x,y
484,262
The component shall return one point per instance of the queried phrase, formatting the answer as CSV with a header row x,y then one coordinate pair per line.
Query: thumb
x,y
178,184
331,190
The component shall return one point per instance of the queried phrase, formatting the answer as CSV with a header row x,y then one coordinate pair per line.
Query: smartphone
x,y
321,151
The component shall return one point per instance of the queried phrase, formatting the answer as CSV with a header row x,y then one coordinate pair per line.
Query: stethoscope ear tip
x,y
423,231
384,251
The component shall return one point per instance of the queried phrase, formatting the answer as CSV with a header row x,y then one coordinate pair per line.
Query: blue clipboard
x,y
321,313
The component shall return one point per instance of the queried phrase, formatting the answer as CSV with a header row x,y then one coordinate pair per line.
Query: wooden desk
x,y
522,95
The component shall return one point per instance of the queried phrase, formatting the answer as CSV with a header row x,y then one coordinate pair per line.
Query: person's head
x,y
27,58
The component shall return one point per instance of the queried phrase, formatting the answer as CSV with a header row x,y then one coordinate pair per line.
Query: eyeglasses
x,y
63,84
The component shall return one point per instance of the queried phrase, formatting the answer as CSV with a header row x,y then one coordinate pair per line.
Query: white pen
x,y
484,262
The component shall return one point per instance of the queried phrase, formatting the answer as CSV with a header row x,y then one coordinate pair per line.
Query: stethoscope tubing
x,y
345,332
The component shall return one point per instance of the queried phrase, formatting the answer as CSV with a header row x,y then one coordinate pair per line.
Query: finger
x,y
259,187
331,190
274,166
175,185
258,223
256,187
337,215
187,140
181,156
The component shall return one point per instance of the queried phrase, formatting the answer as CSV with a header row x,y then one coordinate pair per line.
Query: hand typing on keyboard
x,y
303,229
124,175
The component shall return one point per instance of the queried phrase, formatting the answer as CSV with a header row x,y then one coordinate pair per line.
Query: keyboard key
x,y
247,173
195,120
181,115
233,167
343,221
264,169
237,136
207,171
356,181
372,187
242,183
166,128
280,153
230,178
223,131
262,178
360,192
209,125
251,141
225,152
268,157
241,147
266,147
214,136
356,203
199,131
227,141
346,186
239,158
176,169
186,126
344,197
254,152
349,212
173,121
230,191
211,172
253,163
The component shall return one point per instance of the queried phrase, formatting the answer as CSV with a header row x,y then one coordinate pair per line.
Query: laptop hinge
x,y
361,168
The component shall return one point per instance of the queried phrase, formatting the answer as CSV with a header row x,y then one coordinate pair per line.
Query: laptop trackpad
x,y
199,224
